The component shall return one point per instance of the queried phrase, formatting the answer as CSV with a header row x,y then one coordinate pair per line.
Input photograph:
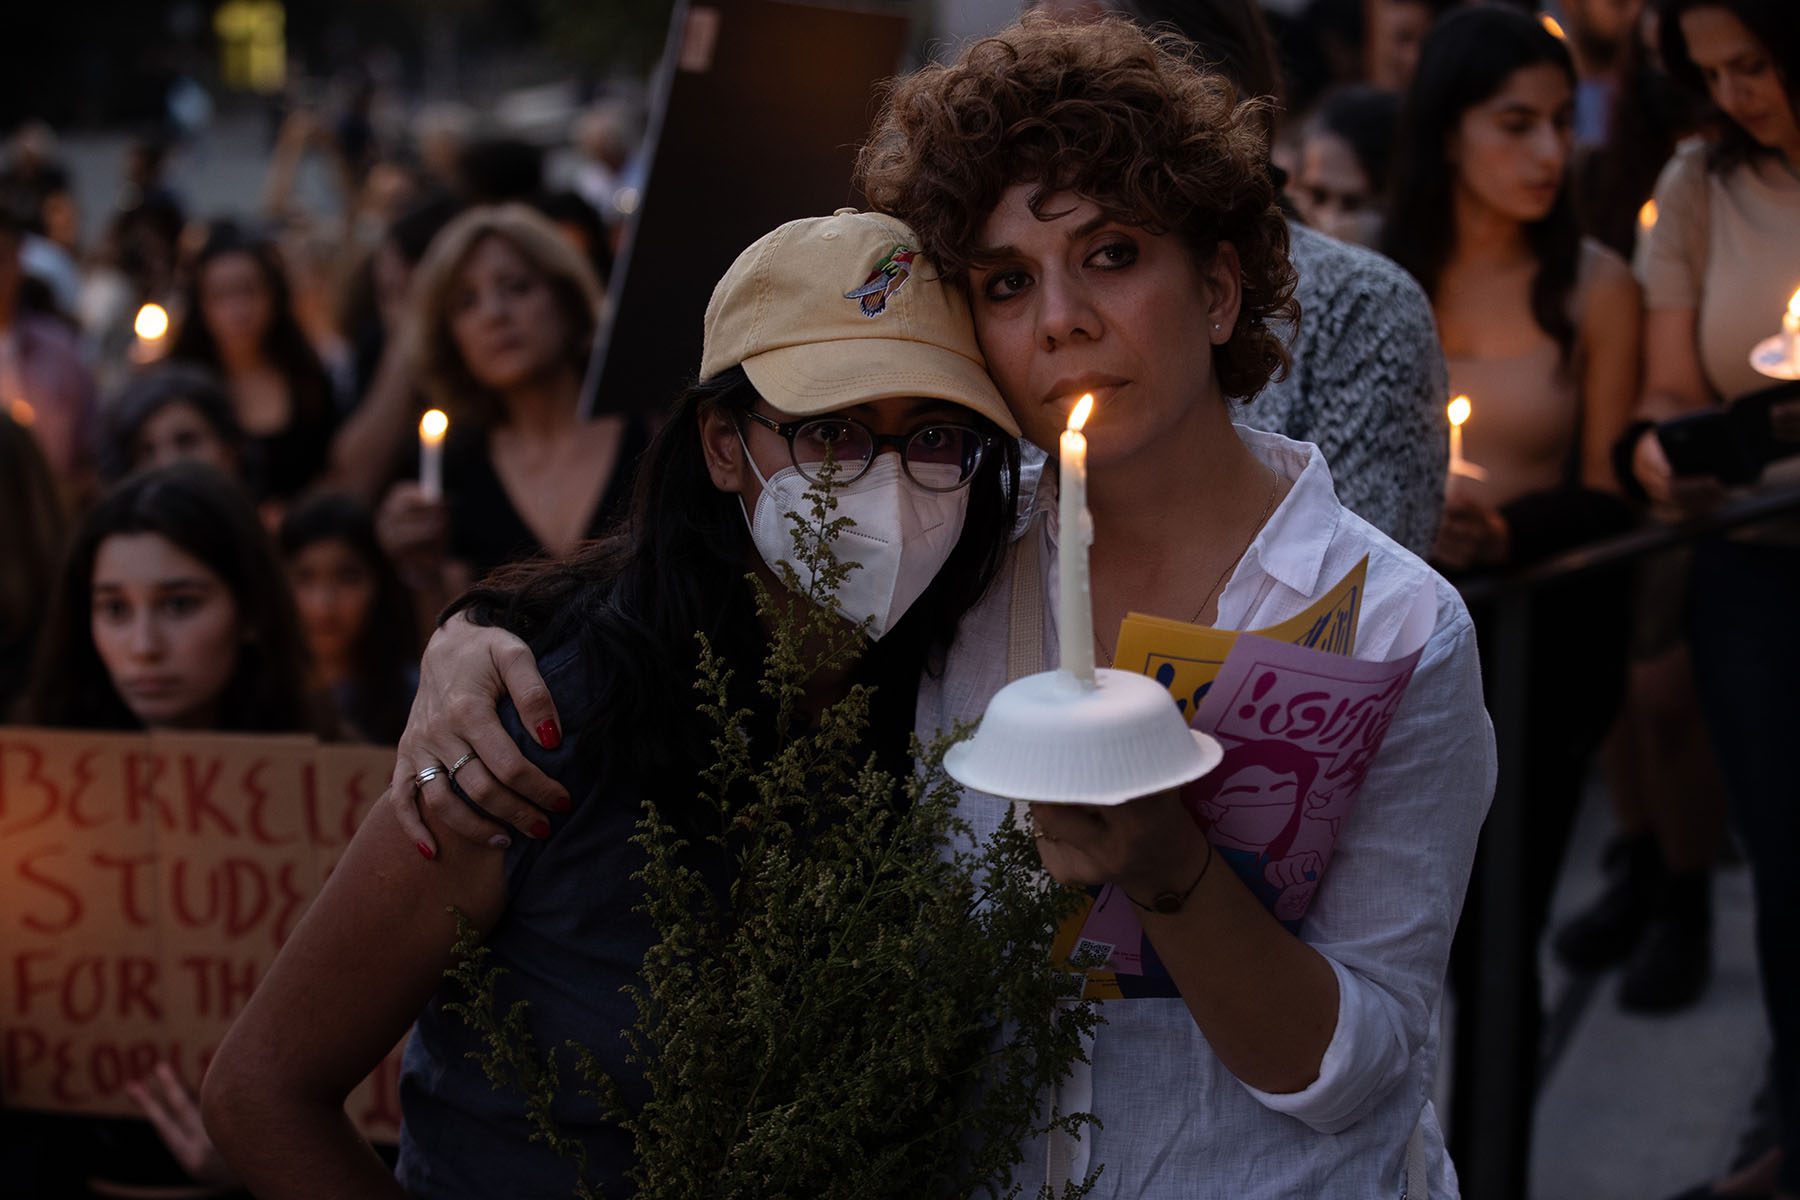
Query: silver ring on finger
x,y
428,774
459,764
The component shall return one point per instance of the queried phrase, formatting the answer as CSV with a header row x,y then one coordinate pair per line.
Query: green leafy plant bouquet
x,y
871,1011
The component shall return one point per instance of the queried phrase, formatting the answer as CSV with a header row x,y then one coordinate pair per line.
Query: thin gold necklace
x,y
1268,507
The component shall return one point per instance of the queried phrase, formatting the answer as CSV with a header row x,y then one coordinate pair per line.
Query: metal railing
x,y
1497,1142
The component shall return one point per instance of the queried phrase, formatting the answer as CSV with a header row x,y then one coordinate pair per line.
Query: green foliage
x,y
871,1012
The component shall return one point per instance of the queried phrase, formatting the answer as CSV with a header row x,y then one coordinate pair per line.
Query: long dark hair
x,y
284,342
386,648
1467,58
209,518
676,566
1770,22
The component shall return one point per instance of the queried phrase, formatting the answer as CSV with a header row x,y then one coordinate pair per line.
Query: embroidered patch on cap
x,y
887,278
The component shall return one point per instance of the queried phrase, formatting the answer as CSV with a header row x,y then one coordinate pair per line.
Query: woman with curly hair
x,y
1107,206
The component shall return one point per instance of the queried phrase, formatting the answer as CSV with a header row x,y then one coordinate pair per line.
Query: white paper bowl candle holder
x,y
1048,737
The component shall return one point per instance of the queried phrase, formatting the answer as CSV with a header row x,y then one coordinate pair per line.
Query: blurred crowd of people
x,y
217,520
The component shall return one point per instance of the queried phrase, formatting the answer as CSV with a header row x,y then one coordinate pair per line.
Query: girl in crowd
x,y
1107,206
240,323
31,538
1540,330
171,613
1717,269
505,313
1342,181
900,397
171,413
355,613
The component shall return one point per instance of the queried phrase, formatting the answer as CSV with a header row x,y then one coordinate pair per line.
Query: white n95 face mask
x,y
902,537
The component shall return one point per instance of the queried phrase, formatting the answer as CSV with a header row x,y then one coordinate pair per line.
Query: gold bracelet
x,y
1169,903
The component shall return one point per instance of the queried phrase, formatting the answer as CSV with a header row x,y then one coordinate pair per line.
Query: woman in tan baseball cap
x,y
1106,204
831,337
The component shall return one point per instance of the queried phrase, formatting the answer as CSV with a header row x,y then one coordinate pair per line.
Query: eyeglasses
x,y
939,458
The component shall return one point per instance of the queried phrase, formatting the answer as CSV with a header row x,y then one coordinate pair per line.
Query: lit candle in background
x,y
1460,408
432,427
1075,602
1647,216
1553,27
1790,329
151,325
1778,355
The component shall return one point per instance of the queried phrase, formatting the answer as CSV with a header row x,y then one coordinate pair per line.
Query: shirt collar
x,y
1291,545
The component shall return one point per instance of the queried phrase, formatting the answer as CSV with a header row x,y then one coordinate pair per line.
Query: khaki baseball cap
x,y
828,312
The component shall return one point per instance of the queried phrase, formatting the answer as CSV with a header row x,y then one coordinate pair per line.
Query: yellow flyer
x,y
1186,659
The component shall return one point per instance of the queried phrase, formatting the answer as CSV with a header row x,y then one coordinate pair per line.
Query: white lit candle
x,y
432,427
1790,330
1075,602
1460,408
151,325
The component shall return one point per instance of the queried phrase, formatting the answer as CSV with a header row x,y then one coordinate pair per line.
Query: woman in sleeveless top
x,y
1717,271
505,312
1540,331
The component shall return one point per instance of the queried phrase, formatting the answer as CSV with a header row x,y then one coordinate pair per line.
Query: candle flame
x,y
23,414
1647,215
1084,408
1794,305
1552,27
1460,408
433,424
152,322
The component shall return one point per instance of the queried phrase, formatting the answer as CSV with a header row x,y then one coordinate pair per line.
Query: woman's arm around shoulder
x,y
345,988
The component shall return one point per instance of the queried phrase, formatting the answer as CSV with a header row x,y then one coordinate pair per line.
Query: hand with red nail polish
x,y
466,671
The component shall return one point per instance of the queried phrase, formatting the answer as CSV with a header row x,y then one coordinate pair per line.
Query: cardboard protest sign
x,y
146,883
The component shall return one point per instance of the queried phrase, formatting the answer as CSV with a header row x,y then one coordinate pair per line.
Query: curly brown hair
x,y
1127,119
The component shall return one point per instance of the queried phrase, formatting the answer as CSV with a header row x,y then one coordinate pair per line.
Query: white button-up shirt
x,y
1175,1122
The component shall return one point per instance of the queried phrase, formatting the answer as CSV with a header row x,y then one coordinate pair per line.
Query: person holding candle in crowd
x,y
171,612
1718,270
800,365
505,313
1108,207
1540,331
239,322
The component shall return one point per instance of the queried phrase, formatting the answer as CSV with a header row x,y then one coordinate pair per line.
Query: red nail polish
x,y
548,735
540,828
561,804
425,851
